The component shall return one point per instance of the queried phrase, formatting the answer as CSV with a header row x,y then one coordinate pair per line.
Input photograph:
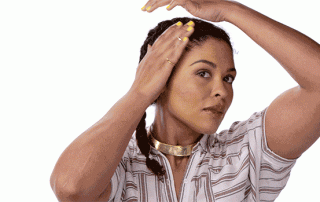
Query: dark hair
x,y
203,30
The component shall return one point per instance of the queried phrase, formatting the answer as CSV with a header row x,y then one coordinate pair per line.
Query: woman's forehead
x,y
210,52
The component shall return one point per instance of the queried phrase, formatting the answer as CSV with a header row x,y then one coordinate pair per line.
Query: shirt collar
x,y
206,142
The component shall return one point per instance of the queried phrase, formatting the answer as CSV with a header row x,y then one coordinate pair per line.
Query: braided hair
x,y
203,30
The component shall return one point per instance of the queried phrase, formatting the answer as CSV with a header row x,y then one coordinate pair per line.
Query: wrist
x,y
138,97
231,11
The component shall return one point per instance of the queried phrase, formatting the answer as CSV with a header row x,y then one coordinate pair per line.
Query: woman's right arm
x,y
85,168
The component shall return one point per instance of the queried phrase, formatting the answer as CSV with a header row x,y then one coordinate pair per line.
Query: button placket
x,y
188,177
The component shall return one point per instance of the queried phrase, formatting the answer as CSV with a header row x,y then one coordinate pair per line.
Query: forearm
x,y
88,163
297,53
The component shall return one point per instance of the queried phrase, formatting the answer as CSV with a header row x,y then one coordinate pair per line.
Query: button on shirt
x,y
235,165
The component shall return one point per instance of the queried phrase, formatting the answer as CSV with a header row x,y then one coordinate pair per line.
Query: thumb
x,y
191,6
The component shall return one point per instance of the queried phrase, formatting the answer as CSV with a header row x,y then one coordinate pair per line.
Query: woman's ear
x,y
149,47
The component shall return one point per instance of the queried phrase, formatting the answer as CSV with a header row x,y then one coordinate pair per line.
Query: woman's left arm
x,y
292,119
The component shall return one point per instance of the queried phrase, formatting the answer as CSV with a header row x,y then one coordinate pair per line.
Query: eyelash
x,y
209,73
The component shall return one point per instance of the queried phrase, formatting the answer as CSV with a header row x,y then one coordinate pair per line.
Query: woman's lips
x,y
214,113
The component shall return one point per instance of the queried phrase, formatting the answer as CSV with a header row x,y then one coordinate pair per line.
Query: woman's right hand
x,y
154,69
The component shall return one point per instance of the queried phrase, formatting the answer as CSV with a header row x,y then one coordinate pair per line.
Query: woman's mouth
x,y
213,113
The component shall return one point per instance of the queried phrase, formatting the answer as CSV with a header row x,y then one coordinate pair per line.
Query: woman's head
x,y
202,78
203,31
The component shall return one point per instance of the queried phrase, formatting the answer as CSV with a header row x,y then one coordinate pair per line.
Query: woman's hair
x,y
203,30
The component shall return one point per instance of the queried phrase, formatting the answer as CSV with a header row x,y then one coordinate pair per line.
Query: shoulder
x,y
132,148
240,129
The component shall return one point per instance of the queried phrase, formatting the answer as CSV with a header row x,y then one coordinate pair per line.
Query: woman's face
x,y
202,78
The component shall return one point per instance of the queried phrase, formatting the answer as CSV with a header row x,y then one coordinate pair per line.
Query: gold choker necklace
x,y
171,149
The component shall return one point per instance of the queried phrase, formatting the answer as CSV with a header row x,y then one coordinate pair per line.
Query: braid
x,y
142,141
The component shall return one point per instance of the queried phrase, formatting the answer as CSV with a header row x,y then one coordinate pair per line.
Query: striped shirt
x,y
235,165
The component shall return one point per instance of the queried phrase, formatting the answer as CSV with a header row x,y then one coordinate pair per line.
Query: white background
x,y
65,63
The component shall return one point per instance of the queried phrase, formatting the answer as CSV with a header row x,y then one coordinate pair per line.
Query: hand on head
x,y
156,67
212,10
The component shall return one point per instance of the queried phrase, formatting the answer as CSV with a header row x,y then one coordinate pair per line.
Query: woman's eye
x,y
204,74
230,79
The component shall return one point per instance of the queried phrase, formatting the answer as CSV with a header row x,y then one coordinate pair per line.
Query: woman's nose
x,y
219,89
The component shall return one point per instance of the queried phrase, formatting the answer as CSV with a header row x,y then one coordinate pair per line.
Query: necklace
x,y
171,149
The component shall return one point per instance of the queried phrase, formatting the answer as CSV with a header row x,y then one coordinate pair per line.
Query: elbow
x,y
63,190
67,196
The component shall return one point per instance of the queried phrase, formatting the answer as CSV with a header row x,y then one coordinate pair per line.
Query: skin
x,y
84,170
180,118
292,119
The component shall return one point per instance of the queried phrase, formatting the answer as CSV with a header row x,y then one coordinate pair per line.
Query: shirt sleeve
x,y
119,177
272,171
117,182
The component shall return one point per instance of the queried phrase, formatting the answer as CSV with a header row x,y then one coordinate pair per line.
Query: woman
x,y
186,69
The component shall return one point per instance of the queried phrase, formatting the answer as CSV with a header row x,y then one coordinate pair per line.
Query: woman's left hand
x,y
211,10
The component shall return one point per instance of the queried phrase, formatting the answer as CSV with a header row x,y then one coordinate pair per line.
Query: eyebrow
x,y
213,65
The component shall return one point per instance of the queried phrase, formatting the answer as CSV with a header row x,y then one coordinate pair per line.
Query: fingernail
x,y
190,23
179,24
149,8
168,6
143,7
185,38
189,28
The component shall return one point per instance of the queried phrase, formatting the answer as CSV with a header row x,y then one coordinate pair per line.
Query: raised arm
x,y
293,118
85,168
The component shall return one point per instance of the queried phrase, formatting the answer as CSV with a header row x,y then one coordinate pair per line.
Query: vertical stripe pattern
x,y
235,165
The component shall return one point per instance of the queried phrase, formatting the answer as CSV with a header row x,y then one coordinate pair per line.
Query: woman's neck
x,y
169,130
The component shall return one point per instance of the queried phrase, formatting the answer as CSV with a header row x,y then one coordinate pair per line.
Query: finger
x,y
158,3
172,4
176,31
179,39
169,35
190,6
183,37
184,31
171,58
147,6
154,4
172,41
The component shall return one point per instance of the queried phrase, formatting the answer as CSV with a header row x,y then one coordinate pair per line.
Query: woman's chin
x,y
208,126
208,129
